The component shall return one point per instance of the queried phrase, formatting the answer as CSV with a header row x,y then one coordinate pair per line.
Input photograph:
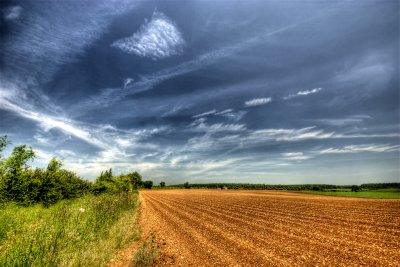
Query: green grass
x,y
381,193
146,254
81,232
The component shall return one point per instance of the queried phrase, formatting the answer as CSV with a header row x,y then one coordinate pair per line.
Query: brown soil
x,y
270,228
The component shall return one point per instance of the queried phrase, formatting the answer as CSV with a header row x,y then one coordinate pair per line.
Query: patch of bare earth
x,y
270,228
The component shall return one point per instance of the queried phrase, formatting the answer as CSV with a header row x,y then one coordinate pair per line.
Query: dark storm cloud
x,y
260,91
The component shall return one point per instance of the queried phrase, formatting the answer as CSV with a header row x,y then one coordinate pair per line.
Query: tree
x,y
355,188
162,184
186,185
316,188
12,178
3,142
17,162
54,165
135,179
148,184
105,176
122,183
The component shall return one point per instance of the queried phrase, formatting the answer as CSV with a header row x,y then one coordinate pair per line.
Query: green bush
x,y
24,185
148,184
81,232
355,188
106,183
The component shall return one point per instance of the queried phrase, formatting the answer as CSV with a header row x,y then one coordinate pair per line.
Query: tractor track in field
x,y
270,228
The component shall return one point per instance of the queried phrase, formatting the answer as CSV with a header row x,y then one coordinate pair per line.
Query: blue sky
x,y
205,91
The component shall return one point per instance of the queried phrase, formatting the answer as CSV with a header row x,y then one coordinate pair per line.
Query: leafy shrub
x,y
355,188
80,232
27,186
148,184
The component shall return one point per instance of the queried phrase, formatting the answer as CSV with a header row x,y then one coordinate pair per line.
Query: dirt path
x,y
269,228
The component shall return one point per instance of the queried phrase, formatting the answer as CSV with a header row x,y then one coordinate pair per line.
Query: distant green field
x,y
381,193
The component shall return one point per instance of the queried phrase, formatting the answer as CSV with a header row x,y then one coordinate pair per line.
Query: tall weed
x,y
81,232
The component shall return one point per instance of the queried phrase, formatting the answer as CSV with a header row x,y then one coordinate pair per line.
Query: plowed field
x,y
270,228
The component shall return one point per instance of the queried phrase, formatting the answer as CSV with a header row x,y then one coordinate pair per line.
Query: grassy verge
x,y
81,232
146,254
380,194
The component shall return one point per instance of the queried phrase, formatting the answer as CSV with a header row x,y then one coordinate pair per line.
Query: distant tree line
x,y
300,187
376,186
25,185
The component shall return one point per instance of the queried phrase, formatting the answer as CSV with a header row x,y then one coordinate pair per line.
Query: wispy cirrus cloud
x,y
303,93
227,113
379,148
159,38
224,112
112,147
109,96
66,153
257,102
46,35
202,128
211,112
12,13
43,39
111,142
373,64
246,138
296,156
128,81
47,122
350,120
200,125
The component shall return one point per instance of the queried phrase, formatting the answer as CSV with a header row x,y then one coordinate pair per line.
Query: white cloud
x,y
109,96
65,153
235,116
351,120
243,138
41,139
175,109
46,38
223,112
114,144
210,112
128,82
13,13
291,134
361,148
43,155
303,93
49,122
297,156
200,125
228,113
218,127
257,102
308,92
292,154
376,65
157,39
